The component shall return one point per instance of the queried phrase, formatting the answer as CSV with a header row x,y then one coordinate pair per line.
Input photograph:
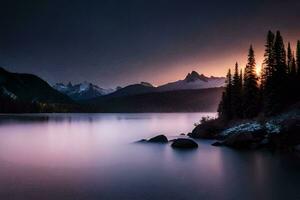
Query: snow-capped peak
x,y
81,91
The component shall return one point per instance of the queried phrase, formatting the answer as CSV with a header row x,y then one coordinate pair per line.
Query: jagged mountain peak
x,y
194,80
194,76
146,84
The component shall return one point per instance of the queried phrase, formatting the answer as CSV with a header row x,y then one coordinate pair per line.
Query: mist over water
x,y
94,156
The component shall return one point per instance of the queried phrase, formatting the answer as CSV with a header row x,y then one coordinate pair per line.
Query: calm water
x,y
92,156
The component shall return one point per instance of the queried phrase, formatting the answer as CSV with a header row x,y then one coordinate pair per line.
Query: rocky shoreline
x,y
277,133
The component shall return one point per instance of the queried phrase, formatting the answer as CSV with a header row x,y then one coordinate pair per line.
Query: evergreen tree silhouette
x,y
267,71
251,89
236,93
225,106
279,76
289,58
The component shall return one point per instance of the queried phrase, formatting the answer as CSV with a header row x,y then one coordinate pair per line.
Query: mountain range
x,y
87,91
81,91
29,93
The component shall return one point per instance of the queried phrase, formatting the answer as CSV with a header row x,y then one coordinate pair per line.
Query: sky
x,y
119,42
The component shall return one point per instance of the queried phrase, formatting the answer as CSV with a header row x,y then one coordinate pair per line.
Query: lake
x,y
94,156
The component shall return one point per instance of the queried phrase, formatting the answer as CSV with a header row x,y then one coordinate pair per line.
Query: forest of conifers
x,y
248,95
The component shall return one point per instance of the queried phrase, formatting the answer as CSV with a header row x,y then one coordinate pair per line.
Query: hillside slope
x,y
203,100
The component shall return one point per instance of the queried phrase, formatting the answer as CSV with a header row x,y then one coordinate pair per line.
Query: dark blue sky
x,y
112,42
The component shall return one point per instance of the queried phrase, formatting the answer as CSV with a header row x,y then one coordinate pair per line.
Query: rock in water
x,y
141,141
217,144
183,143
159,139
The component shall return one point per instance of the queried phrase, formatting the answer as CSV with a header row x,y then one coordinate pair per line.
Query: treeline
x,y
17,106
247,95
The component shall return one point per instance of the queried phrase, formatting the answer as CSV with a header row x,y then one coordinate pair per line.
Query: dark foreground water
x,y
92,156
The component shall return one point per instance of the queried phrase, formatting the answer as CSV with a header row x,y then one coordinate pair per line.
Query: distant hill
x,y
140,88
204,100
29,88
82,91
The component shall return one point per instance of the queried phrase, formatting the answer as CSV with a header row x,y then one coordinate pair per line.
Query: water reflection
x,y
92,156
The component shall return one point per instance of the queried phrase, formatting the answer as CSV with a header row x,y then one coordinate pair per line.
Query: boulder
x,y
245,135
217,143
183,143
207,129
142,141
159,139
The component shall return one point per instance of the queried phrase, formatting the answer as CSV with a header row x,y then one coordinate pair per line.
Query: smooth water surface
x,y
93,156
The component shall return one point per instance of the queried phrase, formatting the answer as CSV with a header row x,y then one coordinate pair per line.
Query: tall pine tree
x,y
268,64
225,106
236,93
293,71
298,67
279,76
289,58
251,89
298,58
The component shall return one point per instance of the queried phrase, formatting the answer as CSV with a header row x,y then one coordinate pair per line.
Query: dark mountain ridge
x,y
29,93
202,100
29,88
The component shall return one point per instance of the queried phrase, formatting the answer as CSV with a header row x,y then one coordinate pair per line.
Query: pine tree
x,y
298,70
250,88
298,58
279,76
293,71
280,56
236,93
268,64
225,109
241,79
289,58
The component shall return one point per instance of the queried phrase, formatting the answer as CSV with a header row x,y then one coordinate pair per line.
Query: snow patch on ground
x,y
272,128
9,94
243,128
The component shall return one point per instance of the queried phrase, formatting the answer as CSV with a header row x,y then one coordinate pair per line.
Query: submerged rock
x,y
159,139
142,141
184,143
217,144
